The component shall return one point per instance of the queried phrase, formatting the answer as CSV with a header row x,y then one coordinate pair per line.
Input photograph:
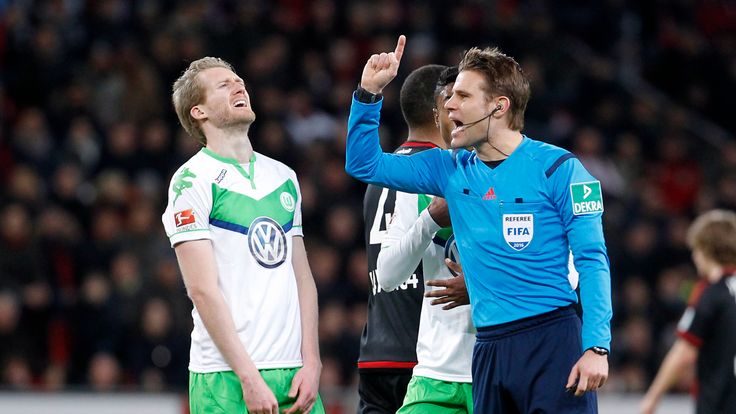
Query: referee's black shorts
x,y
523,366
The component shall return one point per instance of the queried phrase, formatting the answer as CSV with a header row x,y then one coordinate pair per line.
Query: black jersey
x,y
389,337
709,323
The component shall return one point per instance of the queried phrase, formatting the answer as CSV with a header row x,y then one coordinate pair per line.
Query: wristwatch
x,y
362,95
598,350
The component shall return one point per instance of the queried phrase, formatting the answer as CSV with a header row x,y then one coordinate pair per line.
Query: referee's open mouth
x,y
459,127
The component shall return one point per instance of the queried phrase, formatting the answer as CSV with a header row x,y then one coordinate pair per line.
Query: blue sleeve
x,y
584,227
422,173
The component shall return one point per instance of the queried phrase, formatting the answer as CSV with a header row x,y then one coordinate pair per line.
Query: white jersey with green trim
x,y
250,212
446,337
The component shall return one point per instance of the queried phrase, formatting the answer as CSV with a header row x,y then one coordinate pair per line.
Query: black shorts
x,y
381,390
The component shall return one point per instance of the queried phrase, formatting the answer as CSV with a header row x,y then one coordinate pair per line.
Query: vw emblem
x,y
267,242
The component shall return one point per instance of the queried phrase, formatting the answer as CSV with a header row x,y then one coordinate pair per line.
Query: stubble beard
x,y
236,123
480,137
467,141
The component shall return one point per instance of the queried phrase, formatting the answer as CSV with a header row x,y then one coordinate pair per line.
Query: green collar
x,y
247,174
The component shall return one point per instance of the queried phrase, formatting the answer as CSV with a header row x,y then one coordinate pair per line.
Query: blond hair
x,y
714,234
503,77
188,91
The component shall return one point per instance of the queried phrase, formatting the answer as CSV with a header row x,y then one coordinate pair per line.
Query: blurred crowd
x,y
90,294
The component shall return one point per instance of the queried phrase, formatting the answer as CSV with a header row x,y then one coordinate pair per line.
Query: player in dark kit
x,y
389,340
707,329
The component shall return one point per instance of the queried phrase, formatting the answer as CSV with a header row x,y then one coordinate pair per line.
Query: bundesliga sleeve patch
x,y
587,198
182,218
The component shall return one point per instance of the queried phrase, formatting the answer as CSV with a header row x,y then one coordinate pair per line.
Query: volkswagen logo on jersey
x,y
518,230
451,252
267,242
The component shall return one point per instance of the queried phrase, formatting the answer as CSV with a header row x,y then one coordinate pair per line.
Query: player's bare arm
x,y
197,262
305,384
681,358
382,68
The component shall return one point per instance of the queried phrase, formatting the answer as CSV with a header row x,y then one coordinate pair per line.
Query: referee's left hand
x,y
591,372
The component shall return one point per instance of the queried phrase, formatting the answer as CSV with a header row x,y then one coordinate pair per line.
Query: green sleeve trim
x,y
188,231
423,201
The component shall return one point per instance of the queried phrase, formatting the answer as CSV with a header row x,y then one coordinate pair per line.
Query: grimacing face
x,y
226,102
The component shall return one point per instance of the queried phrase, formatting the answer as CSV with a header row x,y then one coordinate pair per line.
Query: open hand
x,y
454,294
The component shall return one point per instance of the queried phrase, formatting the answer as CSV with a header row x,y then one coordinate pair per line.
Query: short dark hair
x,y
417,95
447,77
714,234
503,76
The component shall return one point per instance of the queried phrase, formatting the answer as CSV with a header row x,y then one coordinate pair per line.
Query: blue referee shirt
x,y
514,225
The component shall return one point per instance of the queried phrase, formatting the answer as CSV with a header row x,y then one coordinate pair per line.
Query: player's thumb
x,y
574,374
453,266
294,386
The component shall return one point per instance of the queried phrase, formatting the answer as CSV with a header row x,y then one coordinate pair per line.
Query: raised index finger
x,y
400,47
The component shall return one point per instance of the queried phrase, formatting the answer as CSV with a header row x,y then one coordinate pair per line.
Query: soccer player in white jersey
x,y
234,220
441,380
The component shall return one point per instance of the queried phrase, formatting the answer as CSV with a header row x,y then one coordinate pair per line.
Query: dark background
x,y
90,293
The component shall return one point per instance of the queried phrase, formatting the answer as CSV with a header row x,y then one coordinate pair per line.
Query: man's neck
x,y
500,145
715,273
233,143
426,134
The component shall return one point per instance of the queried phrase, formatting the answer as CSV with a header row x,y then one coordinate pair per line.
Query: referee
x,y
518,207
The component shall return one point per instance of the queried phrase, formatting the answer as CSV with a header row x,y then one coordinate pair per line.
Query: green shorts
x,y
221,392
427,395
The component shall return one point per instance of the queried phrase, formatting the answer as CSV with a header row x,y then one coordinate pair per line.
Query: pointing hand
x,y
382,68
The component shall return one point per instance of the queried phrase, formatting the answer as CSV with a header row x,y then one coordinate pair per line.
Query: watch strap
x,y
599,350
363,96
